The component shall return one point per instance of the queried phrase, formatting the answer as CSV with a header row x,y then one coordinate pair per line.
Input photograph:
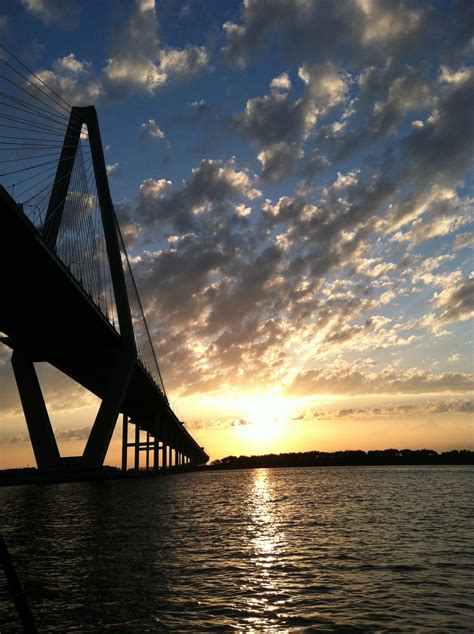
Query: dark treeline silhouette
x,y
347,458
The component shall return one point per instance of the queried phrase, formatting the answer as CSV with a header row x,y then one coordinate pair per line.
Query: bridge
x,y
68,294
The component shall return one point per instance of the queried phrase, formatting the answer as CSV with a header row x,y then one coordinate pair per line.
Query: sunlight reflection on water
x,y
268,550
266,540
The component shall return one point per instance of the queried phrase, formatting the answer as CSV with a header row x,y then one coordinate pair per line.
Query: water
x,y
287,550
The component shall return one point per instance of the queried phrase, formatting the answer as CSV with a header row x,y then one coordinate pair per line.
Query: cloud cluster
x,y
401,411
80,433
137,61
370,129
240,284
366,28
352,381
456,304
217,423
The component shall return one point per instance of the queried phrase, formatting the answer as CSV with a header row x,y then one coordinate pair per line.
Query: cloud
x,y
65,13
139,63
113,169
282,82
81,433
426,213
326,84
451,127
456,303
18,438
384,95
279,161
149,131
229,423
464,240
212,182
76,434
460,406
275,118
351,381
73,79
279,126
183,63
364,28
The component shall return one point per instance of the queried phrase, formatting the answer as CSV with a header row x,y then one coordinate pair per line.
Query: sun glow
x,y
265,416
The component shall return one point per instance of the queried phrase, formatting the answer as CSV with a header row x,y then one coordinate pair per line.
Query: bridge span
x,y
67,284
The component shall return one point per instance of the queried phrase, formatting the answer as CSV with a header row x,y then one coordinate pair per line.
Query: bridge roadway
x,y
44,310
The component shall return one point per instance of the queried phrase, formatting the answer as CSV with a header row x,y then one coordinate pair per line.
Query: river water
x,y
381,549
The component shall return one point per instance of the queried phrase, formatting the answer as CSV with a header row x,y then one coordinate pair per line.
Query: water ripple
x,y
284,550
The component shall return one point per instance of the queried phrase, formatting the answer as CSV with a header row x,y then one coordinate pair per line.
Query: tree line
x,y
347,458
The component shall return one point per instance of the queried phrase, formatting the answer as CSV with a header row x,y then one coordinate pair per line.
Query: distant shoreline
x,y
383,458
374,458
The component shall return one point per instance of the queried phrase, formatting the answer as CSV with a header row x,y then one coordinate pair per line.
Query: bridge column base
x,y
41,433
104,424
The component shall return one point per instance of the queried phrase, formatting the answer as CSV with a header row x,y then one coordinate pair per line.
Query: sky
x,y
293,179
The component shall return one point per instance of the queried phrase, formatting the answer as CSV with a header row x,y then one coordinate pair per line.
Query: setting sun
x,y
267,415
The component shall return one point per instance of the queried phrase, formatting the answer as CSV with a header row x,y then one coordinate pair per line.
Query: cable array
x,y
143,341
34,122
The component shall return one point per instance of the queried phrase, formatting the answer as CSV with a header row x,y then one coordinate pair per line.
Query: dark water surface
x,y
385,549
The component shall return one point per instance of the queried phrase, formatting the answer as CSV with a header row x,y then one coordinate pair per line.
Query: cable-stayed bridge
x,y
68,295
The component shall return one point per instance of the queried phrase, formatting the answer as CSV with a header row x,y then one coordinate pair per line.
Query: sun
x,y
266,415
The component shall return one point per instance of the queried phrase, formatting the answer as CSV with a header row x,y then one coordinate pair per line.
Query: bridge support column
x,y
137,447
39,426
163,447
156,442
147,451
104,424
124,442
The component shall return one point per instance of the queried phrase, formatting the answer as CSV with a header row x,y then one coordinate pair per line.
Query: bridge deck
x,y
45,309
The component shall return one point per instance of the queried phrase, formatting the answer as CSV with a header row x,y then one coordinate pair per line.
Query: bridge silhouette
x,y
68,294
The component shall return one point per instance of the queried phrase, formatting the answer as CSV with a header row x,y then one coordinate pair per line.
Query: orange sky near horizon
x,y
267,422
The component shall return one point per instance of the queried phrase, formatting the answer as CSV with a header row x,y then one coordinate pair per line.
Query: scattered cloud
x,y
282,82
73,79
113,169
456,304
149,131
400,411
275,118
463,241
368,29
64,13
228,423
81,433
326,84
137,61
351,381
